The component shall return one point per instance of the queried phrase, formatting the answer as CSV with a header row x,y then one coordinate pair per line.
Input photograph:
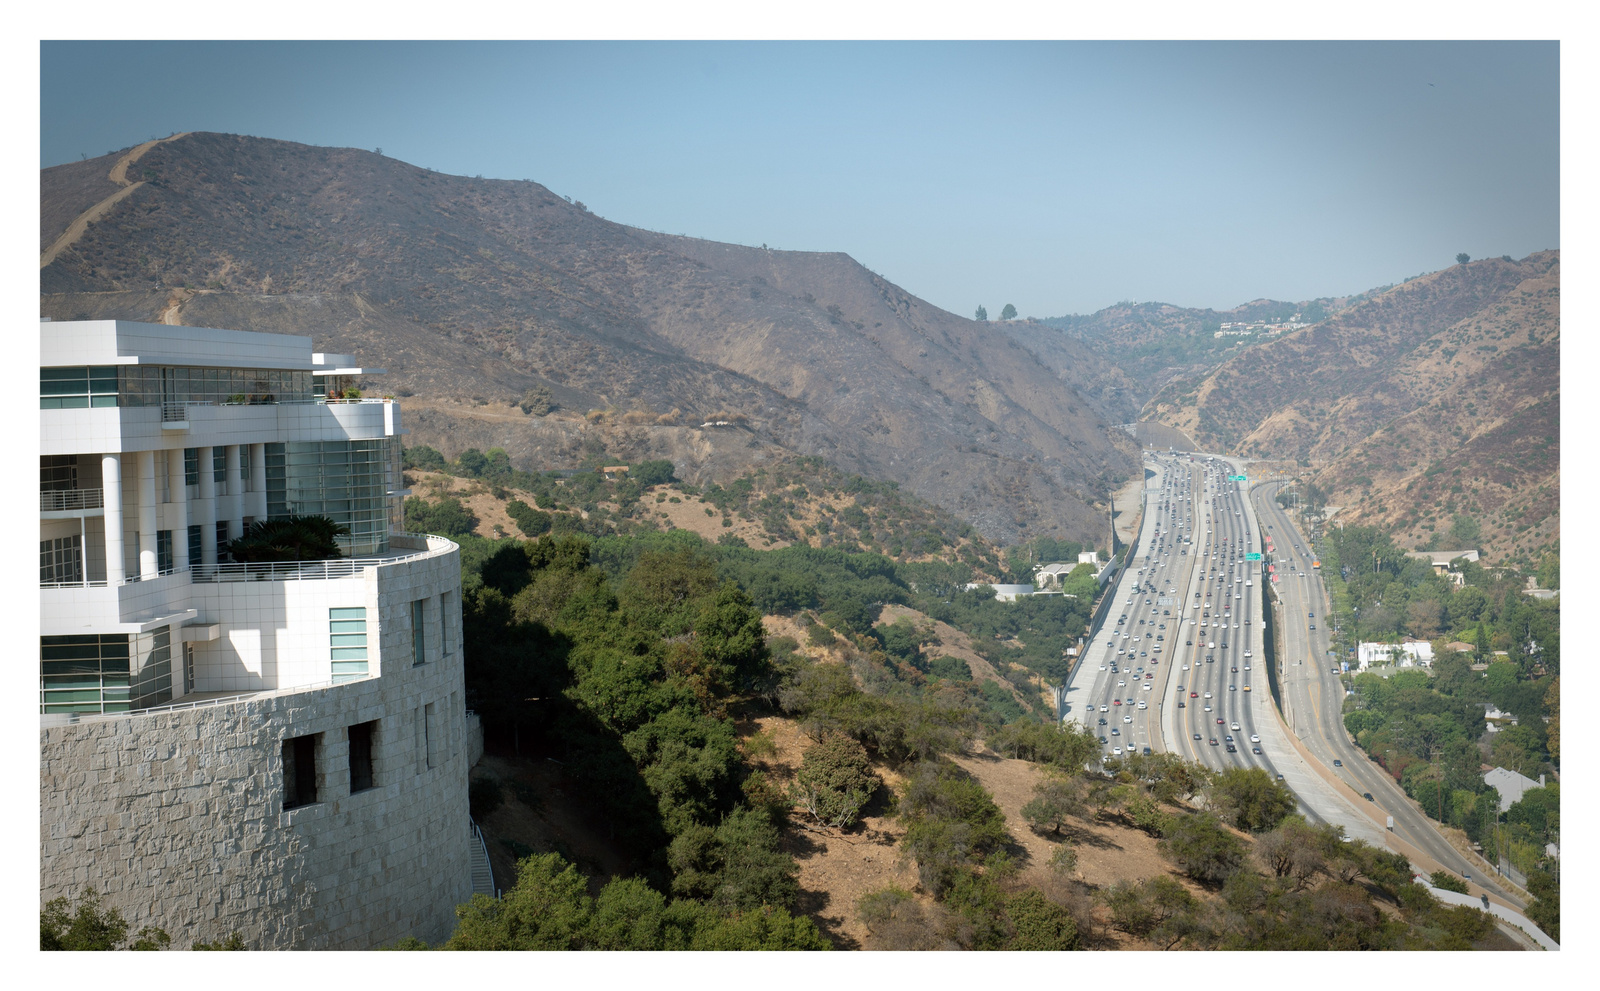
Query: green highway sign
x,y
1252,557
1236,478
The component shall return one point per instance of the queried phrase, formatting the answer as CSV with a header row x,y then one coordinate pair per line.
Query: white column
x,y
178,515
208,510
148,563
258,481
111,480
235,482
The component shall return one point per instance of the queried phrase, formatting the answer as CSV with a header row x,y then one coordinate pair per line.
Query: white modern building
x,y
277,750
1411,653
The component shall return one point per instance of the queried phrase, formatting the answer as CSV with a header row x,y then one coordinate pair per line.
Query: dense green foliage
x,y
1428,729
835,781
89,926
549,909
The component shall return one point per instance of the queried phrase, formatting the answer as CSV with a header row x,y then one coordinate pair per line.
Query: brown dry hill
x,y
471,291
1437,398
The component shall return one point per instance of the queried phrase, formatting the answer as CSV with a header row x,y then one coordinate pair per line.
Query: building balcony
x,y
56,503
404,547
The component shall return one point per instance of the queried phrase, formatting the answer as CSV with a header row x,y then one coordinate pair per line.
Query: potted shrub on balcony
x,y
291,538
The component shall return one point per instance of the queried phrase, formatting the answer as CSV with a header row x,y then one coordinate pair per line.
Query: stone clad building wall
x,y
177,817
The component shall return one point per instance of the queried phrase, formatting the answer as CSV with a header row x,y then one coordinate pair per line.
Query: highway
x,y
1314,698
1184,635
1178,663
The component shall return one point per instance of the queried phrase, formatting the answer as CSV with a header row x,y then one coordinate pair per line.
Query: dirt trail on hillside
x,y
118,175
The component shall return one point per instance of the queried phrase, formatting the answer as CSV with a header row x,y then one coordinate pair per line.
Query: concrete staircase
x,y
482,874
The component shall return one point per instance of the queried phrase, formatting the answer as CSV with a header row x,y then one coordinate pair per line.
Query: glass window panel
x,y
349,653
348,612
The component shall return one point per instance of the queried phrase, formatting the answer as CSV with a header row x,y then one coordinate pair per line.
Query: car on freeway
x,y
1181,704
1254,738
1220,720
1213,741
1338,763
1233,688
1367,795
1116,731
1313,626
1234,727
1104,707
1255,750
1232,749
1194,695
1102,720
1122,684
1143,704
1104,740
1116,751
1208,694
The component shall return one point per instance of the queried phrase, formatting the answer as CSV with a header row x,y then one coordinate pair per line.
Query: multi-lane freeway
x,y
1314,695
1178,664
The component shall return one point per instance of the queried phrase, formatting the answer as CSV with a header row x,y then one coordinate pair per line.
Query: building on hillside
x,y
1050,576
1510,785
1006,593
278,750
1411,653
1088,557
1440,560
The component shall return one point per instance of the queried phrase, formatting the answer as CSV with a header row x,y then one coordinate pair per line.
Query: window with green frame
x,y
347,633
77,388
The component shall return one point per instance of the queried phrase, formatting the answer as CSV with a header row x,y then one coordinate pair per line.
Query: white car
x,y
1105,708
1147,686
1185,667
1234,727
1142,705
1122,684
1127,719
1116,751
1254,738
1208,694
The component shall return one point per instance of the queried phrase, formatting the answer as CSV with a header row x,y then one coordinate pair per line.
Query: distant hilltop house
x,y
1411,653
1051,575
1536,592
1510,785
1440,560
1241,329
716,423
1005,593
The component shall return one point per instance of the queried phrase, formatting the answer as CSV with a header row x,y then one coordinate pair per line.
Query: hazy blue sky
x,y
1058,176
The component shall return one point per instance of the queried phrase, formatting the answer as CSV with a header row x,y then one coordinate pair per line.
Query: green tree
x,y
1009,312
1055,799
446,517
1463,258
530,521
1203,848
981,314
537,401
736,867
92,927
547,909
1039,924
1250,799
1447,881
471,462
835,781
423,458
648,473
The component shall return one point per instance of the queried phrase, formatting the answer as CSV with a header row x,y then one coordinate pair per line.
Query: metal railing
x,y
279,571
486,864
343,567
52,499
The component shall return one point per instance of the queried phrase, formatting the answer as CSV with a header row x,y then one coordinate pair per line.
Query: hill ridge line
x,y
118,175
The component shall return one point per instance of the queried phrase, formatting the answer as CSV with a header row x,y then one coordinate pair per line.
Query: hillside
x,y
472,291
1118,358
1431,407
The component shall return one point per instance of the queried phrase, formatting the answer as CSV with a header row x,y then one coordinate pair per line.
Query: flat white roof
x,y
126,342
